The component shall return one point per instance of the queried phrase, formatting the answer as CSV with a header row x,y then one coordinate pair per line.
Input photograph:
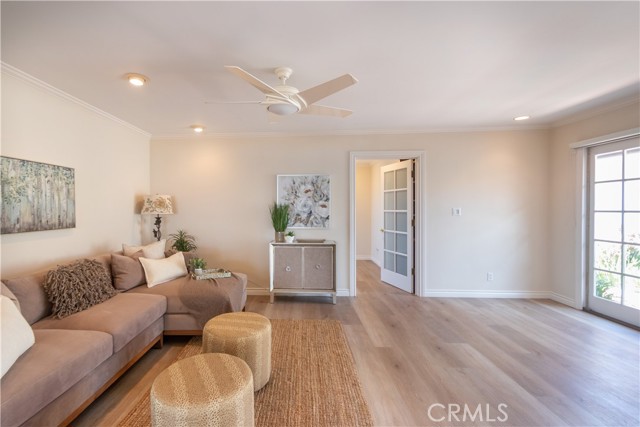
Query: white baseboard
x,y
564,300
503,294
265,291
364,258
446,293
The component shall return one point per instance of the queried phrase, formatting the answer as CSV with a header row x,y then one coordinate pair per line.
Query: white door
x,y
397,259
614,232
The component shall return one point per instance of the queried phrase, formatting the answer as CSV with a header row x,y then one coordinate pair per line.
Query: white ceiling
x,y
421,66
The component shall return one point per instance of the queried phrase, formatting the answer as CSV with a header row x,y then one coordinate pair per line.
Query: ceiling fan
x,y
284,99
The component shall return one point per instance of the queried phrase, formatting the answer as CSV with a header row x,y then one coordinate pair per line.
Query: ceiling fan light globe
x,y
282,109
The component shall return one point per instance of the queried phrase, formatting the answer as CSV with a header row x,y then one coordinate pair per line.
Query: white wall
x,y
223,186
111,163
563,191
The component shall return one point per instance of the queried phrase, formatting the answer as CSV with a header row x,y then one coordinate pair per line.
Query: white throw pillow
x,y
16,334
153,250
159,271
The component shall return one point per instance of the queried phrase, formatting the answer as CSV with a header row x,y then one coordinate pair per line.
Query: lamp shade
x,y
159,204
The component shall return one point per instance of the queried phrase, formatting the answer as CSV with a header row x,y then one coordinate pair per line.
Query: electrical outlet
x,y
489,277
456,211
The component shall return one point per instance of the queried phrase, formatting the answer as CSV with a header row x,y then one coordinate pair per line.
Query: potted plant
x,y
290,236
183,242
198,264
279,219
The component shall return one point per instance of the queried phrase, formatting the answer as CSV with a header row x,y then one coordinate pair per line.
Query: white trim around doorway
x,y
420,213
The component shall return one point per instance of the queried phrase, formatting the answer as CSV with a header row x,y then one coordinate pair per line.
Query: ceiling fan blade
x,y
322,110
323,90
234,102
256,82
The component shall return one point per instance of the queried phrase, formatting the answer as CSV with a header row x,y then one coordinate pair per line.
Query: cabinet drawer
x,y
318,268
287,268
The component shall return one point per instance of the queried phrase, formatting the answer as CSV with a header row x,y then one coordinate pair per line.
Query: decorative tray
x,y
213,273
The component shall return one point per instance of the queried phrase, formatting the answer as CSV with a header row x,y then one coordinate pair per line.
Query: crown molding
x,y
35,82
596,111
354,132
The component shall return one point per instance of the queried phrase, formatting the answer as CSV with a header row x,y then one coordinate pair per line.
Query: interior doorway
x,y
374,225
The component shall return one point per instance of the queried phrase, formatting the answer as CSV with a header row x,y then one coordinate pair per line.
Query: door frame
x,y
420,254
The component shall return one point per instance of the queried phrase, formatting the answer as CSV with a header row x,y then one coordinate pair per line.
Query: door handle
x,y
382,230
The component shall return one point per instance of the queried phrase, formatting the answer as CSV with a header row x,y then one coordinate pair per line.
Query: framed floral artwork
x,y
308,197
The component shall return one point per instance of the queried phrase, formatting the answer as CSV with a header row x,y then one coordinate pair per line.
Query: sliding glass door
x,y
614,230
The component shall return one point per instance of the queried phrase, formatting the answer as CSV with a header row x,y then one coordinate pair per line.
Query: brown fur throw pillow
x,y
78,286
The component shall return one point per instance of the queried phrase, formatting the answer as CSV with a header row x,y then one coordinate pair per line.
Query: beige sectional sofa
x,y
76,358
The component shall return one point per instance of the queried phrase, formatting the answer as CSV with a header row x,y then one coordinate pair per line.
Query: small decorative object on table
x,y
198,264
279,219
290,237
213,273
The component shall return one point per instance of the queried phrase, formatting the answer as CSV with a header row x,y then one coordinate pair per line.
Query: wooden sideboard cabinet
x,y
304,267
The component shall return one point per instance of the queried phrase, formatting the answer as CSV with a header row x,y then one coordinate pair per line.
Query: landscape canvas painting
x,y
309,199
36,196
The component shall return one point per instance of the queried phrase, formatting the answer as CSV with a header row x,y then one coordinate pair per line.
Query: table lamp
x,y
157,205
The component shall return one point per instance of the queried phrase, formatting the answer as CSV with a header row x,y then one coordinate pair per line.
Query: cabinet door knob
x,y
287,268
317,266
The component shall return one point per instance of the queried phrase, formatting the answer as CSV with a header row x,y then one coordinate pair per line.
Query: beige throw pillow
x,y
153,250
159,271
7,293
15,334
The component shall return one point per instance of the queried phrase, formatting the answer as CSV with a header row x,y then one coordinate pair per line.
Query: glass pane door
x,y
614,262
398,233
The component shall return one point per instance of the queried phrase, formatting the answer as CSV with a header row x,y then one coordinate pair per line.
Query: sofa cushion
x,y
127,271
77,286
153,250
158,271
123,317
182,299
16,335
58,360
171,290
34,304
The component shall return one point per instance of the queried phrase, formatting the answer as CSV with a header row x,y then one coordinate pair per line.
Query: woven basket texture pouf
x,y
203,390
245,335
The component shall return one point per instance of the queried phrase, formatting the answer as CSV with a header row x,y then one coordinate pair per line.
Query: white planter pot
x,y
289,239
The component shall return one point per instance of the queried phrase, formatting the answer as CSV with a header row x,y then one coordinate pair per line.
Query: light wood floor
x,y
550,364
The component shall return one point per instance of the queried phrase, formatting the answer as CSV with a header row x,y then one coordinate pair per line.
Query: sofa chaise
x,y
76,358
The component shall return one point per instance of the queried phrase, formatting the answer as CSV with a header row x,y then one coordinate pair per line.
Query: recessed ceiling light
x,y
197,128
137,79
519,118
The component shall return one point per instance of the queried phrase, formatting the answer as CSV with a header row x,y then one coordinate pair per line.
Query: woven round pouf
x,y
203,390
245,335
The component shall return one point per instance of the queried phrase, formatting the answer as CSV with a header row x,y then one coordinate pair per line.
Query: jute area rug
x,y
313,379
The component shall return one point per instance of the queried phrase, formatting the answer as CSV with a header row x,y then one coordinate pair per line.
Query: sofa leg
x,y
159,343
